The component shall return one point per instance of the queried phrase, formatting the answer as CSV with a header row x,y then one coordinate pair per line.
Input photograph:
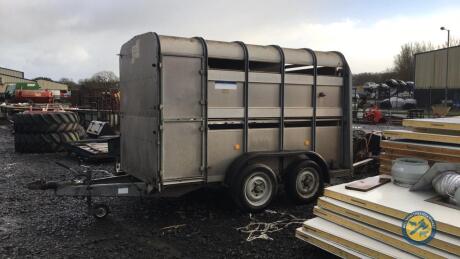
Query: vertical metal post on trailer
x,y
347,147
313,98
160,114
281,96
204,105
245,96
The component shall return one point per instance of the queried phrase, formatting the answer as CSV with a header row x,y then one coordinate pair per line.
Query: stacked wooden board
x,y
355,224
435,140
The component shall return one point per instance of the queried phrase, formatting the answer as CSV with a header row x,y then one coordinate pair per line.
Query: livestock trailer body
x,y
196,112
190,107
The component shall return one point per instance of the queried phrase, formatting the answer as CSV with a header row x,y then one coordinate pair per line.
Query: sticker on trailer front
x,y
225,85
123,190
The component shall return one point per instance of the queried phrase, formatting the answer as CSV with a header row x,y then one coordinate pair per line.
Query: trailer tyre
x,y
100,210
43,143
254,187
304,182
45,122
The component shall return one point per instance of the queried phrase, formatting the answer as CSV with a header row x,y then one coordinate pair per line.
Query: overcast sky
x,y
75,39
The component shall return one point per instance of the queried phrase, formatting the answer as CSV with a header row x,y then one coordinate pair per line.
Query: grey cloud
x,y
75,39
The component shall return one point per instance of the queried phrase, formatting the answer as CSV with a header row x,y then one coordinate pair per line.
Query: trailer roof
x,y
233,50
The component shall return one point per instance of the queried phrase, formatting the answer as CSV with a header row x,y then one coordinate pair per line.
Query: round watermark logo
x,y
418,227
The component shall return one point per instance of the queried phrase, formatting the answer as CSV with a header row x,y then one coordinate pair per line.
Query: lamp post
x,y
447,62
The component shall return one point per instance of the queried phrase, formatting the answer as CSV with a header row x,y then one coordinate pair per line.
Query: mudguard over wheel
x,y
45,122
254,187
43,143
304,182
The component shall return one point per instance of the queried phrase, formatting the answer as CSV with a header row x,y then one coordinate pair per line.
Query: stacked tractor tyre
x,y
45,132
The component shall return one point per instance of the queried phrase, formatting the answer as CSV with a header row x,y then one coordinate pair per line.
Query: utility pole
x,y
447,62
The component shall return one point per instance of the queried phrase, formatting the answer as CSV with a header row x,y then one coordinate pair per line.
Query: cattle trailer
x,y
197,112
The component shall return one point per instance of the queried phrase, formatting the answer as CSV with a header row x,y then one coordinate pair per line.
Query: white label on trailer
x,y
223,85
123,190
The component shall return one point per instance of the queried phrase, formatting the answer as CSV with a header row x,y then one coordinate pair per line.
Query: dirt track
x,y
37,224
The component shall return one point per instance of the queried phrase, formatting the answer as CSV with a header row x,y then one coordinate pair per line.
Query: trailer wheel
x,y
100,210
304,182
254,187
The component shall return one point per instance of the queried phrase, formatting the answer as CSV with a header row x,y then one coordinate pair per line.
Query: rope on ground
x,y
260,230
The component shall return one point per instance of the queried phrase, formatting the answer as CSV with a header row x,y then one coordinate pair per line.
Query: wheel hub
x,y
307,183
258,189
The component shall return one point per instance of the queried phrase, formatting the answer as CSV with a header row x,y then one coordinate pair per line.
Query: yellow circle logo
x,y
418,227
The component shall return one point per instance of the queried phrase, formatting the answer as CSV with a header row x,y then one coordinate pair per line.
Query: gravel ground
x,y
37,224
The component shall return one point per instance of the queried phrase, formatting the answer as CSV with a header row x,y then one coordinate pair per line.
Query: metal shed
x,y
436,74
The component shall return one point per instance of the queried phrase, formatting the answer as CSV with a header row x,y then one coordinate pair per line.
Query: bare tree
x,y
105,77
69,82
404,61
102,80
378,77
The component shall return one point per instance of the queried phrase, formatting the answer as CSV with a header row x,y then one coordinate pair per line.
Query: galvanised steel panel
x,y
231,96
264,95
225,112
139,82
297,138
255,77
328,59
328,143
329,112
182,87
298,112
225,50
263,53
223,147
330,80
264,112
231,50
298,79
180,46
225,75
297,95
263,139
297,56
332,96
182,150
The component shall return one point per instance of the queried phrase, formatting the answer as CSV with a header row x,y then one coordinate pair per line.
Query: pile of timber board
x,y
435,140
354,224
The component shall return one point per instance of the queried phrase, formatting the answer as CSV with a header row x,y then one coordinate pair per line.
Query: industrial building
x,y
11,76
434,70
